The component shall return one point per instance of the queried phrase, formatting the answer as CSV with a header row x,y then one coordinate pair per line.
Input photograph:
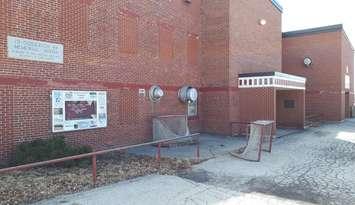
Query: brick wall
x,y
121,46
325,93
347,62
290,117
257,104
116,46
253,48
215,49
6,93
233,42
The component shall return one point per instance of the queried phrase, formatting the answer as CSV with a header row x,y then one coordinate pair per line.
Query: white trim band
x,y
277,81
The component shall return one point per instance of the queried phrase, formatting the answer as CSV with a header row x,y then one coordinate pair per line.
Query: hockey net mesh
x,y
259,139
168,127
267,136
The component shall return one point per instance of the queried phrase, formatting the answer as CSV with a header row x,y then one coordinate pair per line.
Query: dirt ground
x,y
42,183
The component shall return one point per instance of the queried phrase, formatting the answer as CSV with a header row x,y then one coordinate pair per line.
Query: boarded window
x,y
3,14
3,24
74,23
192,49
128,32
166,43
128,106
37,20
289,104
102,27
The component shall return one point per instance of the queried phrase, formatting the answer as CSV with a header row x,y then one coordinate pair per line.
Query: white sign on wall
x,y
192,109
347,82
78,110
27,49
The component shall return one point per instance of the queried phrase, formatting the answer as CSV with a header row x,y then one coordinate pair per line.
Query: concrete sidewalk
x,y
211,146
165,190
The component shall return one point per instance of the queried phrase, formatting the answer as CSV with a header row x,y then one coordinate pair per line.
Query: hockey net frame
x,y
259,136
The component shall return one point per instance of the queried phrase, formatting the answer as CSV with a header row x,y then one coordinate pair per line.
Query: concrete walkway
x,y
165,190
313,167
211,146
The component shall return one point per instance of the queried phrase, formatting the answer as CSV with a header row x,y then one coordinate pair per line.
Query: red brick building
x,y
330,77
231,51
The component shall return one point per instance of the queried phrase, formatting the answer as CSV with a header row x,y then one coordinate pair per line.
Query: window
x,y
265,81
192,109
289,104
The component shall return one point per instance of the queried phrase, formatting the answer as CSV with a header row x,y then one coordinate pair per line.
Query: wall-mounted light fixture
x,y
307,61
188,94
155,93
262,22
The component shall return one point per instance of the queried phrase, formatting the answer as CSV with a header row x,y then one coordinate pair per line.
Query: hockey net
x,y
171,126
259,138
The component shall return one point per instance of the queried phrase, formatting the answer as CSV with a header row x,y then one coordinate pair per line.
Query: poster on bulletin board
x,y
78,110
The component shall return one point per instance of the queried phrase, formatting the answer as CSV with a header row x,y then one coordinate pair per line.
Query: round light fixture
x,y
262,22
188,94
307,61
155,93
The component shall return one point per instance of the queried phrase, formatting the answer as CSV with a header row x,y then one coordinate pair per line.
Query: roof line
x,y
324,29
277,5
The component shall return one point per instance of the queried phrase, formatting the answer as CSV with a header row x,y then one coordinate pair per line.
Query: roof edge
x,y
277,5
317,30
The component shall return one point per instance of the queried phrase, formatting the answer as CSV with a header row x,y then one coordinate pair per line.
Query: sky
x,y
303,14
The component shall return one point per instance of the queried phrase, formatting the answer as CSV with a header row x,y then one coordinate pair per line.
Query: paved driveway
x,y
313,167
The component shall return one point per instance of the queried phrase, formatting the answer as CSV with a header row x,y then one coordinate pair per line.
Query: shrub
x,y
47,149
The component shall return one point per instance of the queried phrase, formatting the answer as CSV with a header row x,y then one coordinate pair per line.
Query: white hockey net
x,y
171,126
259,139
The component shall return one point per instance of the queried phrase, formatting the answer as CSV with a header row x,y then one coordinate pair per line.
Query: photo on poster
x,y
80,110
58,111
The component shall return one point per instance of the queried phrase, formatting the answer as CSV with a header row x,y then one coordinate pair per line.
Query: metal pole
x,y
94,170
198,149
261,142
158,154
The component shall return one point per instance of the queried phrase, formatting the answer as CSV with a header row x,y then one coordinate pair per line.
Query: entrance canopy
x,y
272,80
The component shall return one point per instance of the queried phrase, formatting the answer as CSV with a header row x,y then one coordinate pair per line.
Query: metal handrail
x,y
96,153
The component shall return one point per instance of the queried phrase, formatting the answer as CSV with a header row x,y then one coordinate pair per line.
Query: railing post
x,y
158,153
94,170
261,142
198,149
